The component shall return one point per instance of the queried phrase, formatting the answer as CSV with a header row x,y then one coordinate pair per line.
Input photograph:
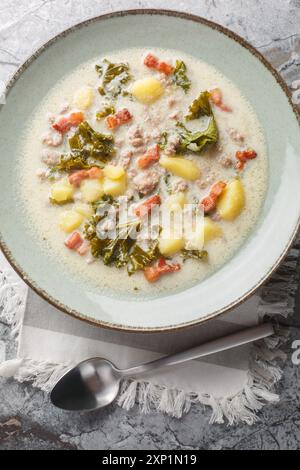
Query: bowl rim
x,y
242,42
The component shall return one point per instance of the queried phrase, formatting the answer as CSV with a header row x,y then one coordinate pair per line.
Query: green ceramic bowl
x,y
279,219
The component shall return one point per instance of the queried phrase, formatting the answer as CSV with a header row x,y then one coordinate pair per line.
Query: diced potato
x,y
169,246
207,231
232,200
211,230
180,166
62,191
114,172
194,240
84,209
91,190
70,220
175,202
147,90
114,187
83,97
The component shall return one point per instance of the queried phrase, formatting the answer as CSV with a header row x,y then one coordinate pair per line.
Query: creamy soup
x,y
152,130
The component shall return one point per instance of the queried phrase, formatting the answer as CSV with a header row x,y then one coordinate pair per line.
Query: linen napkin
x,y
234,383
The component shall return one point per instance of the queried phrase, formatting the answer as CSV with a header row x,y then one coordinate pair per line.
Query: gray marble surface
x,y
27,420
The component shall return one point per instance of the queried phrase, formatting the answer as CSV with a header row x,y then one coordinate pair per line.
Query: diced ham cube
x,y
121,117
74,241
161,267
153,63
150,157
145,207
64,124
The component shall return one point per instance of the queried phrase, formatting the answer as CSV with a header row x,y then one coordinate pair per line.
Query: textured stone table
x,y
27,420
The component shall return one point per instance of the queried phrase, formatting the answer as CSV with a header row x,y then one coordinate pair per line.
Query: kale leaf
x,y
195,141
140,258
122,250
114,77
88,143
59,203
200,107
199,140
114,251
88,148
163,140
201,255
106,111
70,162
179,76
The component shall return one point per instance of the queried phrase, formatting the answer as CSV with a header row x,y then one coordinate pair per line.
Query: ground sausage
x,y
136,137
125,159
175,115
179,186
41,173
52,139
236,136
137,142
119,142
146,181
135,132
172,144
171,102
226,162
50,157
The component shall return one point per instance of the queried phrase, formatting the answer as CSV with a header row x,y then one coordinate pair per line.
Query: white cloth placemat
x,y
235,383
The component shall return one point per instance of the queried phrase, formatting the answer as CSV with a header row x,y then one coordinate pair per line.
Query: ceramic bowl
x,y
279,219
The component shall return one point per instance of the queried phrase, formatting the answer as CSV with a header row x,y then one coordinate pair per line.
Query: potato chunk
x,y
211,230
169,246
84,209
232,200
114,172
180,166
147,90
83,97
62,191
70,220
194,239
175,202
91,190
208,230
114,187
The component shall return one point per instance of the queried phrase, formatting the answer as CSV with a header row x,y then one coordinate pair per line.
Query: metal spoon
x,y
94,383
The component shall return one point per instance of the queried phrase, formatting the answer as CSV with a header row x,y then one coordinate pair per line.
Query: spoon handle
x,y
221,344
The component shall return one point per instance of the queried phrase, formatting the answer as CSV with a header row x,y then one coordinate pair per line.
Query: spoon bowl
x,y
92,384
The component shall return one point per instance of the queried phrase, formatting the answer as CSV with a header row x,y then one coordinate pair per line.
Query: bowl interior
x,y
279,218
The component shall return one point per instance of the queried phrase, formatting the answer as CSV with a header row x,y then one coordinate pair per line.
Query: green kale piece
x,y
163,140
69,162
199,140
106,111
179,76
140,258
122,250
114,77
200,107
88,143
195,254
88,148
59,203
113,251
